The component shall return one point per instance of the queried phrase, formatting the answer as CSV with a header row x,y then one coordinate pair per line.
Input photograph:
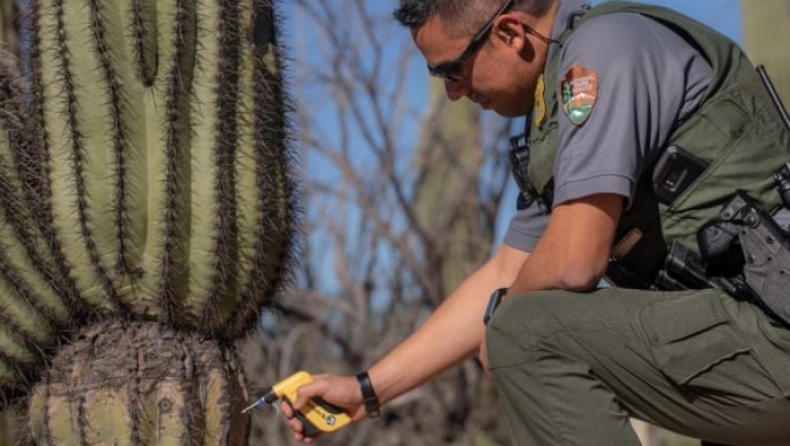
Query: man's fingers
x,y
286,409
306,392
296,426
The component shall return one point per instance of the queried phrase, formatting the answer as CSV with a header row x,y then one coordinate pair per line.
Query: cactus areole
x,y
145,175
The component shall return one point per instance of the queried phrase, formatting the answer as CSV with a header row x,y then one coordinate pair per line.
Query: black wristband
x,y
493,303
368,395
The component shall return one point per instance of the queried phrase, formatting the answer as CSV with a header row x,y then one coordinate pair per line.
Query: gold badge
x,y
539,110
579,89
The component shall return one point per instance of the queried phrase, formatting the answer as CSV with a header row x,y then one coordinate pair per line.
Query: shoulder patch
x,y
579,89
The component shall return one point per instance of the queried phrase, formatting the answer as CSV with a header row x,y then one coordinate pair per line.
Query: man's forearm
x,y
573,252
451,334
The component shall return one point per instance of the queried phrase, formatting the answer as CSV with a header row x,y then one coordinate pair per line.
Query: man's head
x,y
491,51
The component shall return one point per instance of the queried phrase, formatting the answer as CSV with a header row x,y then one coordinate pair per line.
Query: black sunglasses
x,y
450,71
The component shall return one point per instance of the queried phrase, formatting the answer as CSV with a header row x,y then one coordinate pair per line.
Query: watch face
x,y
493,303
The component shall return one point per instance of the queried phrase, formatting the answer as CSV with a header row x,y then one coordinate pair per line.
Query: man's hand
x,y
340,391
452,334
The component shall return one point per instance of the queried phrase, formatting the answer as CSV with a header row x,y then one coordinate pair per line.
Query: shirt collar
x,y
561,23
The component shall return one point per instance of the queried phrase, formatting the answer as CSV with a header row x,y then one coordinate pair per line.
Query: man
x,y
642,125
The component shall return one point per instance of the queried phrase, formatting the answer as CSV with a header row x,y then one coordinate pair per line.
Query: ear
x,y
510,32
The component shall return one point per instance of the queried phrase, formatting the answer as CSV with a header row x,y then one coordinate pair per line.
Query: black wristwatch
x,y
493,303
369,397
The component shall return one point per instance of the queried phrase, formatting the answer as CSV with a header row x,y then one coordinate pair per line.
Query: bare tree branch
x,y
376,261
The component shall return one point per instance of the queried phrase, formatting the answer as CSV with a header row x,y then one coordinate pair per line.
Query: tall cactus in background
x,y
766,31
144,179
446,195
448,205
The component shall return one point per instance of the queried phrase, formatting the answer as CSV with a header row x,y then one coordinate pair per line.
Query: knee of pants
x,y
519,323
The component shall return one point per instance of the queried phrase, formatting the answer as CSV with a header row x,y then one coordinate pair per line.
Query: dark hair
x,y
461,17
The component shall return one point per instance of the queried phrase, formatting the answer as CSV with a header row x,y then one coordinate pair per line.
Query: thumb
x,y
308,391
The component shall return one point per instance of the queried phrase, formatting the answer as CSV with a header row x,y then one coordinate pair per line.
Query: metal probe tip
x,y
253,405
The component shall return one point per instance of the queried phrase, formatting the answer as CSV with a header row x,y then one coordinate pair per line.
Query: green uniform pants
x,y
572,367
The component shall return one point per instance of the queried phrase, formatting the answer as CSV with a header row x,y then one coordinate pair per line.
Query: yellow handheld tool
x,y
317,416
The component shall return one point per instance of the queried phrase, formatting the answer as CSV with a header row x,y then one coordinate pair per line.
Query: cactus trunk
x,y
145,173
140,384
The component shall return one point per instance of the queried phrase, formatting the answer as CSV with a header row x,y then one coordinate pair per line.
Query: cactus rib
x,y
173,259
78,147
275,215
34,169
144,41
225,150
119,139
23,310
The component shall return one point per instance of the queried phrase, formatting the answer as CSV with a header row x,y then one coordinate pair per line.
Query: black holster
x,y
743,252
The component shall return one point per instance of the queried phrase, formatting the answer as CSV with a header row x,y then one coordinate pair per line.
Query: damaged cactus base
x,y
136,383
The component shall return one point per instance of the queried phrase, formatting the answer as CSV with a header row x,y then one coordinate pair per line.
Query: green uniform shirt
x,y
734,128
665,78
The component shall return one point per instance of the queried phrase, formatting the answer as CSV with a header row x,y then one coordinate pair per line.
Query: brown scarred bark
x,y
140,384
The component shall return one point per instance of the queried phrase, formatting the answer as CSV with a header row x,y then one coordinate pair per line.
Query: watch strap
x,y
493,303
368,395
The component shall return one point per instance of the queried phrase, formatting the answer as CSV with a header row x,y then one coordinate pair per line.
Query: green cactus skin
x,y
140,384
145,173
153,202
33,312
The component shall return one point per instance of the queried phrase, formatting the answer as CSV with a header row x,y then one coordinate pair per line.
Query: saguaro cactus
x,y
144,176
766,29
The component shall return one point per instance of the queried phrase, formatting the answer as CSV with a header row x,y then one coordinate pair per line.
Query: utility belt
x,y
744,252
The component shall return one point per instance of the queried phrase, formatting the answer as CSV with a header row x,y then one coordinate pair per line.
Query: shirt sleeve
x,y
526,227
648,81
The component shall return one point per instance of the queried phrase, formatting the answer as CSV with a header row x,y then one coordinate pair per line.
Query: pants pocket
x,y
696,345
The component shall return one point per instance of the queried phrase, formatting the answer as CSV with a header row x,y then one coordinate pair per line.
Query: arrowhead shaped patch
x,y
579,87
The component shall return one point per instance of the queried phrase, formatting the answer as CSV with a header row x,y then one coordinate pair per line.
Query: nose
x,y
455,90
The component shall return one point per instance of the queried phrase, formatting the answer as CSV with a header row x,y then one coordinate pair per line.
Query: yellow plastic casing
x,y
317,415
